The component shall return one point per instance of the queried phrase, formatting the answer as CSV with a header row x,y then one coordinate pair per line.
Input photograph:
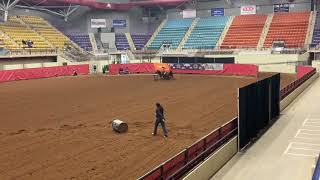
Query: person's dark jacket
x,y
159,113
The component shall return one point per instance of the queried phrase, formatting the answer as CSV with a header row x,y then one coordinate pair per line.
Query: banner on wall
x,y
249,9
119,23
281,7
189,13
98,23
217,12
196,66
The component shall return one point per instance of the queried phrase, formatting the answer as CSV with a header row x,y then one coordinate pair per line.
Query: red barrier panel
x,y
303,70
174,164
36,73
228,69
212,138
133,68
196,149
294,85
188,158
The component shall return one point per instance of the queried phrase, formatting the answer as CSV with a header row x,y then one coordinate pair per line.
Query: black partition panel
x,y
258,105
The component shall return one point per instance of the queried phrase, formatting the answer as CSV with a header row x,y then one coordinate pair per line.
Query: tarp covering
x,y
228,69
36,73
137,68
303,70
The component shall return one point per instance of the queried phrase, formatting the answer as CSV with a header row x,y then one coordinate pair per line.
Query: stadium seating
x,y
41,26
206,33
244,32
316,32
122,42
19,32
82,40
288,27
172,33
140,40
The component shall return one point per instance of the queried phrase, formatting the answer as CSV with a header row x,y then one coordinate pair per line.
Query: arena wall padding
x,y
259,103
46,72
303,70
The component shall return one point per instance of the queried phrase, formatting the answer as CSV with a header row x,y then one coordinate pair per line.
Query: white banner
x,y
217,67
189,13
98,23
249,9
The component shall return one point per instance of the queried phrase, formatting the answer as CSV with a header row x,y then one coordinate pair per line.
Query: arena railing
x,y
30,52
295,84
186,160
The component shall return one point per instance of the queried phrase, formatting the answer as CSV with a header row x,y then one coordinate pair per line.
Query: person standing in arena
x,y
160,120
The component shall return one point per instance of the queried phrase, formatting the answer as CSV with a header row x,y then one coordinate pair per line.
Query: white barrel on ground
x,y
119,126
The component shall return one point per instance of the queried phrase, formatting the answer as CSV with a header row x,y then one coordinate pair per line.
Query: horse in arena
x,y
164,75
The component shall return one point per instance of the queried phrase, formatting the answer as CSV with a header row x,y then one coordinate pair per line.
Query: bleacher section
x,y
19,32
172,33
140,40
244,32
41,26
288,27
316,32
206,33
82,40
122,42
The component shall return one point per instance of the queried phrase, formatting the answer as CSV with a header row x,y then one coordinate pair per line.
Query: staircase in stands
x,y
265,31
73,43
130,41
156,32
223,34
93,42
312,21
31,29
184,40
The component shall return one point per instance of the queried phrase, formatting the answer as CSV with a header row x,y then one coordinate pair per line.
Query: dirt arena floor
x,y
60,128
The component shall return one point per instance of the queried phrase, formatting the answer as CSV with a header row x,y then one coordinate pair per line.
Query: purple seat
x,y
140,40
82,40
316,32
122,42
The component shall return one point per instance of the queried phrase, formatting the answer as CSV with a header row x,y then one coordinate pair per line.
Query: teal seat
x,y
206,33
172,33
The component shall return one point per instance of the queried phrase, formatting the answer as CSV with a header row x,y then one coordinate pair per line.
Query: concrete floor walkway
x,y
287,150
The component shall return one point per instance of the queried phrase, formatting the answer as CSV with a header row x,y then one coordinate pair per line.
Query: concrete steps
x,y
224,33
265,31
93,42
154,35
30,28
312,21
188,33
130,41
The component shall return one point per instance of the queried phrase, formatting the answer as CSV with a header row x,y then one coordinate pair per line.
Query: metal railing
x,y
183,162
294,85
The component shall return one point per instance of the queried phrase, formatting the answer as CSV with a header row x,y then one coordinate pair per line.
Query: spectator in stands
x,y
160,119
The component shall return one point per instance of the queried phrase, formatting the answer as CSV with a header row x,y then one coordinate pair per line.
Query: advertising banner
x,y
189,13
197,66
281,7
217,12
249,9
119,23
98,23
